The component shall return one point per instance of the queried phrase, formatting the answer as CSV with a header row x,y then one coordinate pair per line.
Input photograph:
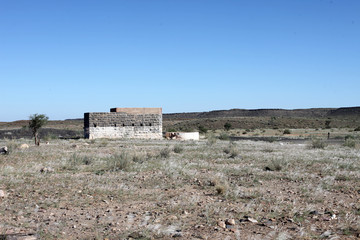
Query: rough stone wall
x,y
122,125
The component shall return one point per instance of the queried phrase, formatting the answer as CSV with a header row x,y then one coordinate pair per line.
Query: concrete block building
x,y
124,123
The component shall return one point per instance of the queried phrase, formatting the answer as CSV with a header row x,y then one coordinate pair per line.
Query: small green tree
x,y
36,122
227,126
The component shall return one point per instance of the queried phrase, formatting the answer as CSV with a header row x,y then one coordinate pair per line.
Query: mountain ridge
x,y
273,112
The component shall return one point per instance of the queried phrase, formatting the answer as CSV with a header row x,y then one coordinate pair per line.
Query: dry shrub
x,y
122,161
211,140
178,148
231,150
221,189
275,165
165,152
317,143
349,142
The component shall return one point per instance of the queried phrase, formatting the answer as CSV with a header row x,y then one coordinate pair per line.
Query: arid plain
x,y
214,188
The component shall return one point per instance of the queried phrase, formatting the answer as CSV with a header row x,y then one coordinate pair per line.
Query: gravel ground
x,y
160,189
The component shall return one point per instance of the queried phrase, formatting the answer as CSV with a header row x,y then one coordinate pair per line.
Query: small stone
x,y
222,224
230,222
2,194
172,217
252,220
47,170
314,212
326,234
21,237
24,146
177,235
3,150
230,226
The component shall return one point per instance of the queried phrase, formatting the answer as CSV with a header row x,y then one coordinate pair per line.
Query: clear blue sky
x,y
64,58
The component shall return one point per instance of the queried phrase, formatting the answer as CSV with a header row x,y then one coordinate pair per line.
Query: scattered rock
x,y
136,235
230,222
172,217
222,224
47,170
326,234
19,237
24,146
178,234
3,150
251,219
314,212
2,194
230,226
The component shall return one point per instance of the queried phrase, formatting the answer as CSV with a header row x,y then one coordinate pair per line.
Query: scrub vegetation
x,y
209,189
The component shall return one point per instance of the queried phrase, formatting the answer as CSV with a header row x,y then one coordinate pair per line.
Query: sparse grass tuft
x,y
211,140
12,147
165,152
178,148
76,160
350,143
138,158
118,162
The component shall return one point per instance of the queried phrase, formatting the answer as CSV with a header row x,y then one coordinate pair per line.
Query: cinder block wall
x,y
124,123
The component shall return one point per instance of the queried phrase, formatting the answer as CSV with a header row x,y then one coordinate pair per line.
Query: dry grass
x,y
146,189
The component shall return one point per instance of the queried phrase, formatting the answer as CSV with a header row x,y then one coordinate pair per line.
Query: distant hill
x,y
305,113
346,117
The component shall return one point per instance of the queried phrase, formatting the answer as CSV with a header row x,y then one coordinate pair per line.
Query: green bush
x,y
287,131
202,129
224,136
349,137
227,126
